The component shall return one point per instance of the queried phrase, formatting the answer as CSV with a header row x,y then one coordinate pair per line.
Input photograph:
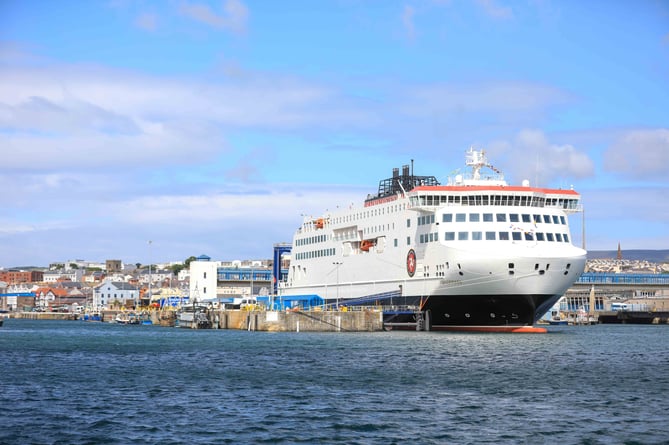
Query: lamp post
x,y
150,272
337,264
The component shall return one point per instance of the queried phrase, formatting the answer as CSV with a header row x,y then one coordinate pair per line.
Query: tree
x,y
176,268
189,260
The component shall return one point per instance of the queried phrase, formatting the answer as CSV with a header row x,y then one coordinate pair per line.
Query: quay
x,y
368,320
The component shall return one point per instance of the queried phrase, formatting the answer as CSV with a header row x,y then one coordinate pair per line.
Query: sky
x,y
152,131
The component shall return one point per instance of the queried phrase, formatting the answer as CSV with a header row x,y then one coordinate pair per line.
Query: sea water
x,y
74,382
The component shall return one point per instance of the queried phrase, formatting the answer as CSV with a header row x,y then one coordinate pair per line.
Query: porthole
x,y
467,315
447,315
511,272
541,272
492,315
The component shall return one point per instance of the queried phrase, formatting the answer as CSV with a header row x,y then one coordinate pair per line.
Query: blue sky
x,y
211,127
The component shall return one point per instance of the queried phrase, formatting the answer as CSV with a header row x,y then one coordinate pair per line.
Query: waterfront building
x,y
203,279
114,292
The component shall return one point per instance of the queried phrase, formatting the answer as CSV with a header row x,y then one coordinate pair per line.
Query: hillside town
x,y
75,285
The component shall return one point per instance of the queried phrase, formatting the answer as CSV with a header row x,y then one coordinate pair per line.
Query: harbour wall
x,y
255,320
288,321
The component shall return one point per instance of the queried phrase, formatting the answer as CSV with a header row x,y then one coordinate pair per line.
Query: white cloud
x,y
640,154
233,18
147,21
494,10
484,97
531,156
408,21
55,116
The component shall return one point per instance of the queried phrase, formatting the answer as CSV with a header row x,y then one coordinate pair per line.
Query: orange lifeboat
x,y
366,244
319,223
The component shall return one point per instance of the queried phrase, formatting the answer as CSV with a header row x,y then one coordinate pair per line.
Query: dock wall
x,y
291,321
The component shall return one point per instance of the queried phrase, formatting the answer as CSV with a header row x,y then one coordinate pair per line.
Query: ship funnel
x,y
396,172
405,170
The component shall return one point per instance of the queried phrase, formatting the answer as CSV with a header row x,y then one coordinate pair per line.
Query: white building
x,y
114,291
71,274
203,278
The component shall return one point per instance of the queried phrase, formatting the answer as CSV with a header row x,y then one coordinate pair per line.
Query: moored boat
x,y
475,252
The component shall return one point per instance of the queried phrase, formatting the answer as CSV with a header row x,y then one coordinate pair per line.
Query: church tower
x,y
620,253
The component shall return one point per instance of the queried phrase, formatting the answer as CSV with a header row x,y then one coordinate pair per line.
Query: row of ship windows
x,y
311,240
490,217
493,236
315,254
393,208
499,200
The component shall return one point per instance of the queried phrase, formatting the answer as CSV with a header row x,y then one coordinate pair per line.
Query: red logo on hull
x,y
411,263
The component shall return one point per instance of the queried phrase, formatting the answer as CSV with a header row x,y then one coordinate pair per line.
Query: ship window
x,y
555,220
421,239
431,237
529,236
490,236
449,236
447,217
408,240
516,236
395,242
513,217
474,217
511,265
547,219
460,217
562,220
463,236
537,218
558,236
549,237
504,236
477,236
566,238
487,217
501,217
408,222
526,218
540,236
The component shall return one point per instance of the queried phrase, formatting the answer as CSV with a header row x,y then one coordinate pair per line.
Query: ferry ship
x,y
474,254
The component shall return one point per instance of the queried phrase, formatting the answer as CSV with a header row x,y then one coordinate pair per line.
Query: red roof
x,y
494,188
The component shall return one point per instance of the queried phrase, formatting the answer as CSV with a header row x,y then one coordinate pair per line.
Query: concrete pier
x,y
286,321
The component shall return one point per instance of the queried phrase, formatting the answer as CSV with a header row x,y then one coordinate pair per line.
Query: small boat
x,y
126,318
